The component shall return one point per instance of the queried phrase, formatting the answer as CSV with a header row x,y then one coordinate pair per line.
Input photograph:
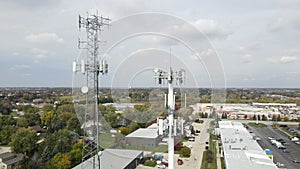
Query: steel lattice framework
x,y
92,67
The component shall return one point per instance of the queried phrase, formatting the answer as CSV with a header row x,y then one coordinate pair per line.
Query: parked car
x,y
297,142
294,139
280,140
256,138
296,161
165,162
286,151
158,157
278,164
286,144
192,139
161,166
179,161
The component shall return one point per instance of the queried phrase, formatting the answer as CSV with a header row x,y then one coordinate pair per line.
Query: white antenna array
x,y
91,68
170,77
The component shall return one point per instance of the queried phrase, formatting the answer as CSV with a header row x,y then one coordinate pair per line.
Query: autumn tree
x,y
59,161
76,153
48,107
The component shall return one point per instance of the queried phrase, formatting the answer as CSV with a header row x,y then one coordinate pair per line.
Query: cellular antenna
x,y
170,77
91,67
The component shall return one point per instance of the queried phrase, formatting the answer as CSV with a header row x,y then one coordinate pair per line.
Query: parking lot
x,y
279,155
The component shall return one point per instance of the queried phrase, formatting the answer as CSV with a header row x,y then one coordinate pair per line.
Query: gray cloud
x,y
212,28
287,59
247,58
256,32
44,38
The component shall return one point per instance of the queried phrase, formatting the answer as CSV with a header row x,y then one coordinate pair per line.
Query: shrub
x,y
209,156
150,163
185,151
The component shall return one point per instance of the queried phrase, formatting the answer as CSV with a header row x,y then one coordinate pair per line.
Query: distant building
x,y
115,159
121,106
274,104
9,160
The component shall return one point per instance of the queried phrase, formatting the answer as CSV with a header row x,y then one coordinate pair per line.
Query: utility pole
x,y
91,68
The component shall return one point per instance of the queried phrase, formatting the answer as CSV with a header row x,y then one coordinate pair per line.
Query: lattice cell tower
x,y
91,68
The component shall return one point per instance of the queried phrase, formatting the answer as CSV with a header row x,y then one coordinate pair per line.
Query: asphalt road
x,y
264,122
279,155
198,146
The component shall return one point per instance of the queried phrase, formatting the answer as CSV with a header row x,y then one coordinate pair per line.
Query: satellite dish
x,y
84,89
100,153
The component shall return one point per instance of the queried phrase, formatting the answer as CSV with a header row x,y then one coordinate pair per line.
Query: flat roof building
x,y
240,149
9,160
144,137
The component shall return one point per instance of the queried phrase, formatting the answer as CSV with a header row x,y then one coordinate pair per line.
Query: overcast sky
x,y
251,43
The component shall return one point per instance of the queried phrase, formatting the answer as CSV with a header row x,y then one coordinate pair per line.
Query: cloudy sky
x,y
249,43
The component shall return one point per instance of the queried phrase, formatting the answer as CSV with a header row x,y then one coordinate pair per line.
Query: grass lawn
x,y
106,139
159,148
212,147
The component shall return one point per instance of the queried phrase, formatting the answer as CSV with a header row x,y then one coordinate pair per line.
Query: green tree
x,y
139,107
26,97
278,118
24,141
6,133
30,109
66,108
254,117
60,141
22,122
5,107
48,118
76,153
107,109
7,120
264,118
47,108
113,119
33,119
273,118
65,116
74,125
27,163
